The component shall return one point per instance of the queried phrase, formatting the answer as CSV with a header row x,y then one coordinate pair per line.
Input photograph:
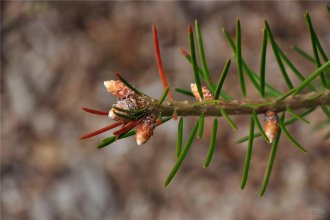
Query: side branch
x,y
236,107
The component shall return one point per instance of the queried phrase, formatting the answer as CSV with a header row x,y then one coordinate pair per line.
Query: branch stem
x,y
236,107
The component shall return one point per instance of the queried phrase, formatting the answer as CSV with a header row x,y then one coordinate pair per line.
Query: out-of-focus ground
x,y
55,57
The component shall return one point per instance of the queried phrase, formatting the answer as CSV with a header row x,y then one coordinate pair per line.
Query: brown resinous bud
x,y
271,125
206,93
118,89
126,98
146,128
129,100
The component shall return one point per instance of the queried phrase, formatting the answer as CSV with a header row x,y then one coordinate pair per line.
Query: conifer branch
x,y
139,114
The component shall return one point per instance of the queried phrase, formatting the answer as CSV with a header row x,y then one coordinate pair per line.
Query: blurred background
x,y
54,59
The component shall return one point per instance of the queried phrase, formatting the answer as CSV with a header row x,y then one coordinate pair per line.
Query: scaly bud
x,y
206,93
271,125
118,89
145,129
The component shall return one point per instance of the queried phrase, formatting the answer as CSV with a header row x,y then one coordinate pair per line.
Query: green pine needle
x,y
293,68
270,91
105,142
212,144
179,139
129,117
314,46
228,119
285,95
166,119
200,72
261,130
270,162
304,54
325,110
194,63
320,49
202,54
311,77
277,56
182,155
163,96
239,57
246,138
254,78
129,85
263,62
201,125
210,86
184,92
222,79
291,139
248,156
225,96
297,116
